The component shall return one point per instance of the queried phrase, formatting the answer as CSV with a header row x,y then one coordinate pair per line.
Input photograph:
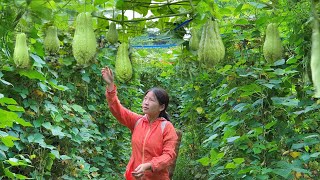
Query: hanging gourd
x,y
112,34
315,57
211,48
272,48
123,67
21,54
194,40
84,42
51,41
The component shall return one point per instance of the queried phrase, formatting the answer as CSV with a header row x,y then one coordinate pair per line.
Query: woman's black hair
x,y
163,98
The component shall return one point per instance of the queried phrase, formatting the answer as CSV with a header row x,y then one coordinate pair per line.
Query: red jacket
x,y
150,142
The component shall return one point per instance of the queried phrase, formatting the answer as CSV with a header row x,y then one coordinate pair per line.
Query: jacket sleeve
x,y
168,153
122,114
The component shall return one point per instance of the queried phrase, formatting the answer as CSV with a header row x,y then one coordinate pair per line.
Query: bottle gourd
x,y
51,41
21,54
315,57
211,48
123,67
272,47
84,42
112,35
194,40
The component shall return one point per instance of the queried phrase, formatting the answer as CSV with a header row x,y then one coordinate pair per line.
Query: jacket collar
x,y
145,118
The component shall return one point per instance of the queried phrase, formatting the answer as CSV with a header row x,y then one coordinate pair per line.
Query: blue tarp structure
x,y
166,40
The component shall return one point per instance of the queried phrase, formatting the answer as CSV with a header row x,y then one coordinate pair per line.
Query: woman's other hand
x,y
108,77
139,171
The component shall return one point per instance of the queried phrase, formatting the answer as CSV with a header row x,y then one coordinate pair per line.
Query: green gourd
x,y
211,47
51,41
123,67
21,54
315,58
194,40
84,41
272,48
112,35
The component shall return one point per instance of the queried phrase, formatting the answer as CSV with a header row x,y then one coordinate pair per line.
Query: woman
x,y
153,136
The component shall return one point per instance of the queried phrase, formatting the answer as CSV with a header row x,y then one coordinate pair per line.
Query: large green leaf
x,y
230,165
237,11
238,160
285,101
258,5
50,107
285,173
56,154
39,139
250,89
47,125
56,131
42,9
16,162
232,139
78,108
55,85
38,62
15,108
8,140
140,6
2,156
7,119
5,100
32,74
205,161
212,137
241,107
56,117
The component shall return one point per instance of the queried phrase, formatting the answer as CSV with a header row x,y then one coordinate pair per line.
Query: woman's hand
x,y
108,77
139,171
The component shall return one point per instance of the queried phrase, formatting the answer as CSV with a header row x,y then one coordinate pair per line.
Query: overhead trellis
x,y
165,40
152,41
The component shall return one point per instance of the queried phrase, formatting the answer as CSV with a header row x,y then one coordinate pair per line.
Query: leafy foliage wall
x,y
244,118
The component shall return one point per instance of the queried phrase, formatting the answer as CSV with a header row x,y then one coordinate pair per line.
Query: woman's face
x,y
150,105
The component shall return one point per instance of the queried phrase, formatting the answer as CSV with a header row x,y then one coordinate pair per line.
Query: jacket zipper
x,y
144,143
